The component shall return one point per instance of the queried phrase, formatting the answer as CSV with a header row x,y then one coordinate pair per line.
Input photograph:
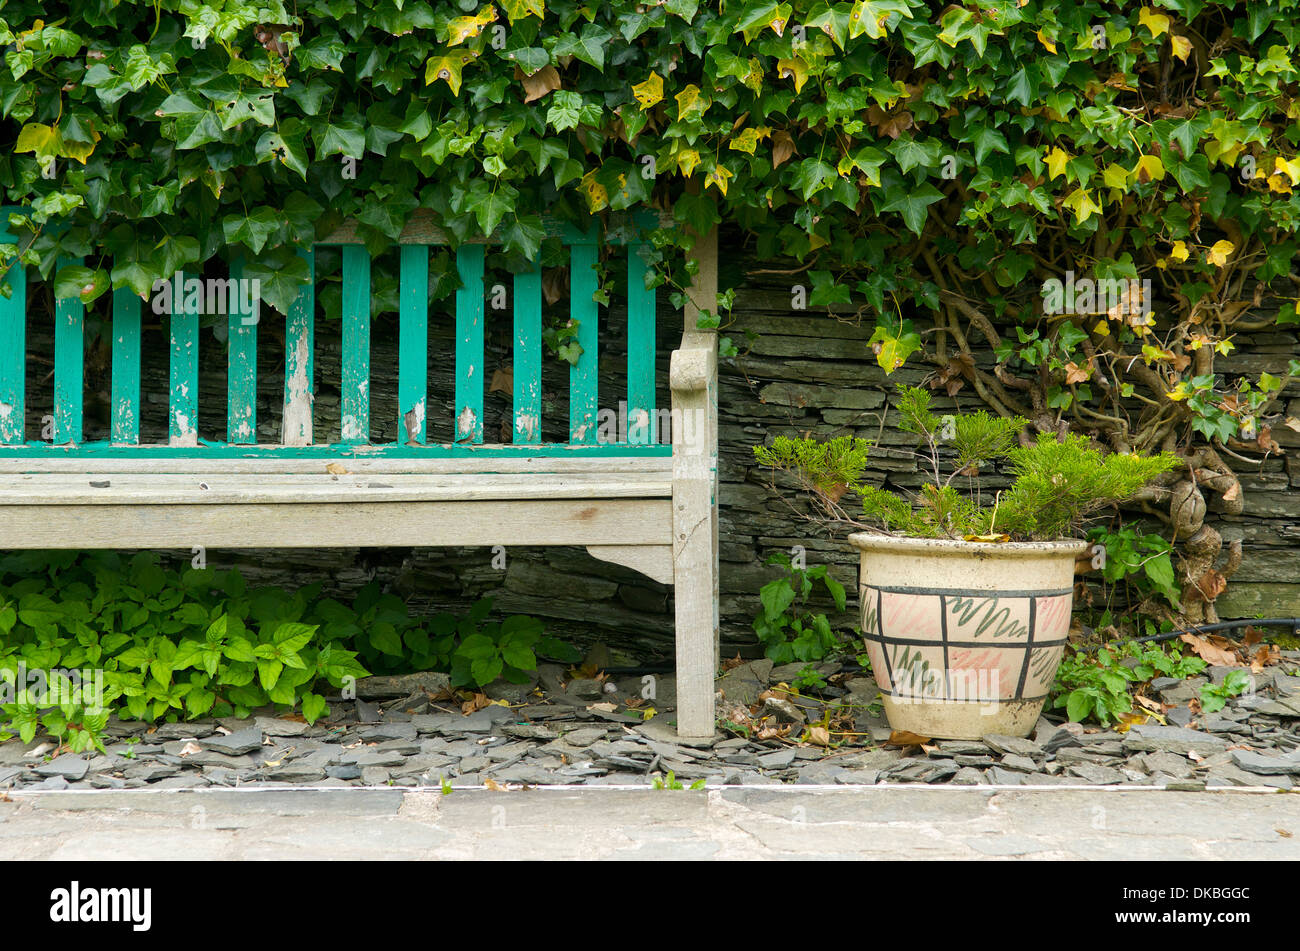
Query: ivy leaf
x,y
520,9
911,203
197,129
649,92
80,283
524,235
893,343
588,46
812,176
699,212
345,137
564,110
762,16
251,230
448,69
988,139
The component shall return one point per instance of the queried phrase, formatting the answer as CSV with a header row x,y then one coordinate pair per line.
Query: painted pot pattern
x,y
937,645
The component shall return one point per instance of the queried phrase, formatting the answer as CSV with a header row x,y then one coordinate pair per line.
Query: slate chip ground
x,y
549,739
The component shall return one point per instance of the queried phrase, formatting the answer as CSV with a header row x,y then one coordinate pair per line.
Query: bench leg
x,y
696,600
695,533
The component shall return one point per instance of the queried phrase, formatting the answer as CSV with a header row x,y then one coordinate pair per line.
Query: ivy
x,y
933,161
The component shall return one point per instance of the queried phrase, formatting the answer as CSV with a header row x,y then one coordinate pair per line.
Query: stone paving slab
x,y
974,823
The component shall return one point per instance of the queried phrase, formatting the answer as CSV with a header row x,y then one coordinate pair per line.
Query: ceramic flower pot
x,y
964,637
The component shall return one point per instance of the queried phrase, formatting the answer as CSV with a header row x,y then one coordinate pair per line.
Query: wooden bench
x,y
645,505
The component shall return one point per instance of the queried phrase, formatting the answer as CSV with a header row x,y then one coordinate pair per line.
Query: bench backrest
x,y
297,432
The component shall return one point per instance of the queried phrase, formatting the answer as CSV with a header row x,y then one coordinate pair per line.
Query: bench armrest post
x,y
694,382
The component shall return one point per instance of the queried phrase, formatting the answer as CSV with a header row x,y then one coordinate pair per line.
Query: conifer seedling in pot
x,y
966,593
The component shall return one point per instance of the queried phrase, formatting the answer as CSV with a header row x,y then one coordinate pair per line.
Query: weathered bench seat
x,y
641,502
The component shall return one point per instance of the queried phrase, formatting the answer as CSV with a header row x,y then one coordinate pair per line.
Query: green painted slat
x,y
125,409
413,344
356,344
241,388
216,450
640,351
469,345
527,364
13,346
69,363
183,390
299,368
583,309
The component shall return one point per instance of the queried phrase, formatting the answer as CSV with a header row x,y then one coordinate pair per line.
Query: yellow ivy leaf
x,y
80,150
869,17
1151,353
777,21
796,68
597,196
1056,160
1102,328
689,100
463,28
748,140
1278,184
521,9
1047,42
1181,46
1218,254
1179,393
687,160
1116,176
1149,168
448,68
1157,23
44,140
1224,347
753,78
718,177
1290,168
1081,203
649,92
1179,252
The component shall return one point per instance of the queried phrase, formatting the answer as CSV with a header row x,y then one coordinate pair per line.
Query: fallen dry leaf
x,y
1284,833
191,748
819,735
1155,706
906,738
1128,720
1214,656
603,707
336,468
493,785
475,703
1266,655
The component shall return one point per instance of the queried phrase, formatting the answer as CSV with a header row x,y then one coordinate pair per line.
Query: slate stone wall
x,y
802,374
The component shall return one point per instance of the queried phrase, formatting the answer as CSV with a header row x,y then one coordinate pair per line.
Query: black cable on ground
x,y
1291,622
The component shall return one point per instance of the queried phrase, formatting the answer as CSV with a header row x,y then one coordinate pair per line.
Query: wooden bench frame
x,y
651,508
